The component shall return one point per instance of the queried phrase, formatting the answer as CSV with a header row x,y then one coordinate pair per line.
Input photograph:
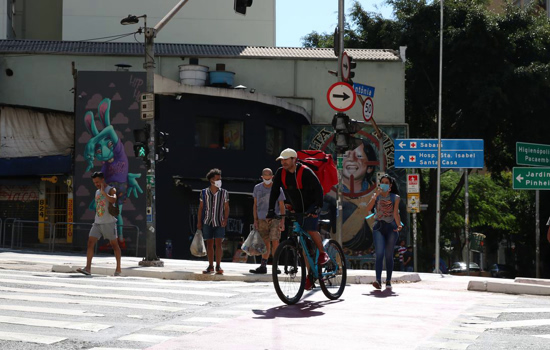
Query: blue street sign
x,y
422,153
364,90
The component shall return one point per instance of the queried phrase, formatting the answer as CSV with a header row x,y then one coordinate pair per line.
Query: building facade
x,y
198,22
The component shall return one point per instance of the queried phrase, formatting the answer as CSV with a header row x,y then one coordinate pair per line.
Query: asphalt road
x,y
44,310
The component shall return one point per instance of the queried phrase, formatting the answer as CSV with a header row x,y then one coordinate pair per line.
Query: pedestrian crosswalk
x,y
472,329
74,311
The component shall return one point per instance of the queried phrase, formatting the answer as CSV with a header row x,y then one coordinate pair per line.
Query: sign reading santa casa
x,y
455,153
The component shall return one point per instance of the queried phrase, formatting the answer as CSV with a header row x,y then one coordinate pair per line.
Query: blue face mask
x,y
385,187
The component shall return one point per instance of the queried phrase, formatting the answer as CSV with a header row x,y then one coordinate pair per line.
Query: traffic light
x,y
161,147
344,129
141,137
352,65
241,5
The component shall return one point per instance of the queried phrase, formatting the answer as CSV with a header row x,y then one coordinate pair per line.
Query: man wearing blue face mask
x,y
269,230
212,218
387,226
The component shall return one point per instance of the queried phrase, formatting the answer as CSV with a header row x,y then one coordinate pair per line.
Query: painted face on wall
x,y
355,163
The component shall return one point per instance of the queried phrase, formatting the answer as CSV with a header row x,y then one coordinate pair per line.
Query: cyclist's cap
x,y
288,153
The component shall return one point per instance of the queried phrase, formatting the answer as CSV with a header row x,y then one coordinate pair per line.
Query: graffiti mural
x,y
107,112
360,166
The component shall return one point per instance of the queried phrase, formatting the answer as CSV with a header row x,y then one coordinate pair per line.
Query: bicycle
x,y
289,268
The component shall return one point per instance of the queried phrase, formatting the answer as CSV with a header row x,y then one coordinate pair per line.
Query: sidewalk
x,y
192,270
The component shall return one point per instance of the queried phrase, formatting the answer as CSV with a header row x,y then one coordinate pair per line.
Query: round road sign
x,y
341,96
345,68
368,109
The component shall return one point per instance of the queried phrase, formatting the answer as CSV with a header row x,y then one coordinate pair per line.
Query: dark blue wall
x,y
240,169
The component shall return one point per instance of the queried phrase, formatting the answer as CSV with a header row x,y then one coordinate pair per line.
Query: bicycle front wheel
x,y
333,275
289,272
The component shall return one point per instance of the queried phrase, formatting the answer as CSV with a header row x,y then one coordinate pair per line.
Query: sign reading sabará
x,y
531,178
532,154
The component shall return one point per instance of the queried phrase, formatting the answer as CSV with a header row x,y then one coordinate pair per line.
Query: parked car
x,y
460,267
503,271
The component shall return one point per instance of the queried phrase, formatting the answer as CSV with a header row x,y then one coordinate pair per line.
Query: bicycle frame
x,y
303,235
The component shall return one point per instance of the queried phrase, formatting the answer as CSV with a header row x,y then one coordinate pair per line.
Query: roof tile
x,y
187,50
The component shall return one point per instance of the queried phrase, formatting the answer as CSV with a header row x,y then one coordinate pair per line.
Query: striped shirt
x,y
213,206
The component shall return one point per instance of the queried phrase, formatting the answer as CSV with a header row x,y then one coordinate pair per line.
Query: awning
x,y
26,166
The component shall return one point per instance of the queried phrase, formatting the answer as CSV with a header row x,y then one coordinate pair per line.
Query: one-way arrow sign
x,y
344,96
341,96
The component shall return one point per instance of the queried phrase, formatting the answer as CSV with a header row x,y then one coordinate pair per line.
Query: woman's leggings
x,y
385,238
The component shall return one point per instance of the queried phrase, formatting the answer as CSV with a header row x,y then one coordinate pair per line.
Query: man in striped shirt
x,y
212,218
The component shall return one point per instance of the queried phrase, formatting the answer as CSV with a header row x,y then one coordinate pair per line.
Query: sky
x,y
297,18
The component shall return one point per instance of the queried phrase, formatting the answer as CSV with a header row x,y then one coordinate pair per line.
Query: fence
x,y
56,225
17,226
4,231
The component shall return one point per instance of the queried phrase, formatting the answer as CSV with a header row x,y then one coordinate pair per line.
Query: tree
x,y
496,75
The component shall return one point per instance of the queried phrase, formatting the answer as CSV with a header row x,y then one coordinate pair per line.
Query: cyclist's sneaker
x,y
309,283
260,270
377,284
323,258
209,269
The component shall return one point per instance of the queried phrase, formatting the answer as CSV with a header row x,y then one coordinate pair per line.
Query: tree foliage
x,y
496,76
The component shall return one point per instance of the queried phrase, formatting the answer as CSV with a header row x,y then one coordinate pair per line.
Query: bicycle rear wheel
x,y
290,282
333,275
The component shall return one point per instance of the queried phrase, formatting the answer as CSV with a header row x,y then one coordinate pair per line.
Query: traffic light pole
x,y
339,201
151,258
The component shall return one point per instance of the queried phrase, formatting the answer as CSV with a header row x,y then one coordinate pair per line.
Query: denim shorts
x,y
210,232
308,223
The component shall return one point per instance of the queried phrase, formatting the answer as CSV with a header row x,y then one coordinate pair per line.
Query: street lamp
x,y
131,19
151,258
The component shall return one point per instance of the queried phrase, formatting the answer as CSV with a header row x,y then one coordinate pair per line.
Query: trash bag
x,y
254,244
197,246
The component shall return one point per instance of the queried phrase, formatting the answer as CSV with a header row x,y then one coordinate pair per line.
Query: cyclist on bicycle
x,y
306,201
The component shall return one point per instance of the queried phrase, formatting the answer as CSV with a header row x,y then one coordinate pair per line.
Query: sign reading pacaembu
x,y
532,178
532,154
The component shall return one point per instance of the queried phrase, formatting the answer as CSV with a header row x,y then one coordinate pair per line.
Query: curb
x,y
508,287
356,277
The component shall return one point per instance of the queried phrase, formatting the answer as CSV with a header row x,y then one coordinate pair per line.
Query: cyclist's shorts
x,y
308,223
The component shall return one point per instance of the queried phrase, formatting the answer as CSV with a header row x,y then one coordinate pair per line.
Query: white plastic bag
x,y
254,244
197,246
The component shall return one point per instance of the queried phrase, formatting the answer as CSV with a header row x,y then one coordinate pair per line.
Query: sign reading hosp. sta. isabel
x,y
455,153
531,178
532,154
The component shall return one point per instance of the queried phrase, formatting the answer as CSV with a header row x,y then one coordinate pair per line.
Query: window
x,y
219,133
274,140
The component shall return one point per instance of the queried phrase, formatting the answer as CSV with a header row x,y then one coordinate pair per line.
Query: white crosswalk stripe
x,y
134,313
49,310
92,327
30,338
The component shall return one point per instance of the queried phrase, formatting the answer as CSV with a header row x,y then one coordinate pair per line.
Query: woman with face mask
x,y
387,226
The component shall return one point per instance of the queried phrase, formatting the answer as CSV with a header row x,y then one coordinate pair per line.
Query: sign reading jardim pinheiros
x,y
531,178
532,154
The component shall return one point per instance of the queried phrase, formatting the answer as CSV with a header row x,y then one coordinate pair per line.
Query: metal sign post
x,y
340,44
537,233
467,221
